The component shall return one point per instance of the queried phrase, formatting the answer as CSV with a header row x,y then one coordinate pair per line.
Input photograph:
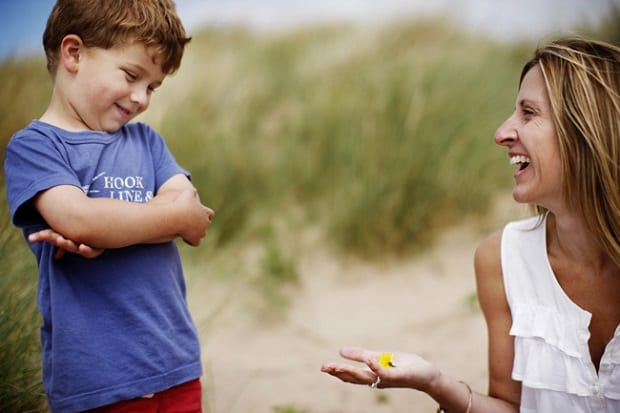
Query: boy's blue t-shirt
x,y
117,326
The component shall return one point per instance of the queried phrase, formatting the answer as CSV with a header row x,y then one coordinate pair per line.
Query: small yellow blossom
x,y
385,360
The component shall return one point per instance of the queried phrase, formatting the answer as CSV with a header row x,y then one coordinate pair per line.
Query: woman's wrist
x,y
453,396
435,385
469,401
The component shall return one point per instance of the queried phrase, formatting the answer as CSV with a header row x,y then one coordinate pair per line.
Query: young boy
x,y
101,201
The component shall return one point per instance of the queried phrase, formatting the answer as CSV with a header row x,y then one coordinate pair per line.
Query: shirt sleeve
x,y
33,163
165,164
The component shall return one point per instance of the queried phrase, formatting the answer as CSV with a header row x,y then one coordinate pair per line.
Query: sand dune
x,y
425,304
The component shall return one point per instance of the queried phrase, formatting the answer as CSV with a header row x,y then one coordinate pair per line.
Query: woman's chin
x,y
520,197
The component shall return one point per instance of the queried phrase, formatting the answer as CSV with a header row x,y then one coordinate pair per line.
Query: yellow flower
x,y
385,360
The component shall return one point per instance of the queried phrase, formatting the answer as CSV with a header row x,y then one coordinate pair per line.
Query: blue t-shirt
x,y
117,326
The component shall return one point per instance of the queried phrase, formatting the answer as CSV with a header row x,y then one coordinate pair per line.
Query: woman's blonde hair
x,y
583,83
107,23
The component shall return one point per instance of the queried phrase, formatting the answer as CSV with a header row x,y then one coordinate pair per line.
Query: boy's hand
x,y
198,217
64,245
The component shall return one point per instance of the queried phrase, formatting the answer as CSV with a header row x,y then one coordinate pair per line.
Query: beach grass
x,y
379,136
20,355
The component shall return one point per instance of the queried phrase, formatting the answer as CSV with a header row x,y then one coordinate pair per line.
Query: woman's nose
x,y
506,134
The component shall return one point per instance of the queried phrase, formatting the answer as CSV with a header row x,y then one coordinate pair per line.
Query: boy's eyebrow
x,y
143,70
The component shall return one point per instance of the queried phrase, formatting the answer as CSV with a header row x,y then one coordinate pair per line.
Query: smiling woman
x,y
548,285
529,134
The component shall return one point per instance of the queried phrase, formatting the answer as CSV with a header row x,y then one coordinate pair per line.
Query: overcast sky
x,y
22,21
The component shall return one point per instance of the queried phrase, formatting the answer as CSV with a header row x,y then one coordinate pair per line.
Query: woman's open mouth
x,y
521,160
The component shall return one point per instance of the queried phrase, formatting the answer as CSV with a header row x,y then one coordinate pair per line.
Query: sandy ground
x,y
423,305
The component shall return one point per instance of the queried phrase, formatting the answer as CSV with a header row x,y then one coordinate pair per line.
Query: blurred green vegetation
x,y
21,388
609,30
377,136
24,95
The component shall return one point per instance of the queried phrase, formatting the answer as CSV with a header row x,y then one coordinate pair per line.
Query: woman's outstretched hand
x,y
405,370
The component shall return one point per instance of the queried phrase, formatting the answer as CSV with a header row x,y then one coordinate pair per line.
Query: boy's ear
x,y
71,49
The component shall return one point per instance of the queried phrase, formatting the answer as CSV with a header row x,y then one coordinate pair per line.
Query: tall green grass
x,y
20,355
380,136
24,94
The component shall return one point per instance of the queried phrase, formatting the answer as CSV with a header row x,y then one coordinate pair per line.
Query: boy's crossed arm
x,y
87,226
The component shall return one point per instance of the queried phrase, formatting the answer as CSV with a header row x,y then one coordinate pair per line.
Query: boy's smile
x,y
105,88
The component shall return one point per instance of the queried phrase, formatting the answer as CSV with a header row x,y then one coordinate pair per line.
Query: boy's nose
x,y
141,98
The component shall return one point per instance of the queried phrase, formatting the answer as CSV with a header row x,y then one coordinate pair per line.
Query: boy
x,y
101,201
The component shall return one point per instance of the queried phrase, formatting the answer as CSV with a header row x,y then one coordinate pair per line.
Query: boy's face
x,y
112,86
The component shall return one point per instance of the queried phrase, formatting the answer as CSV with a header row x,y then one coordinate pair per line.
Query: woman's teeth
x,y
520,160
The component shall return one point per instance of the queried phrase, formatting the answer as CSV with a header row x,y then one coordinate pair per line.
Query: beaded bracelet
x,y
469,400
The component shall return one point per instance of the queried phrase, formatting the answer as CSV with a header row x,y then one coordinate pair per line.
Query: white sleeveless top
x,y
552,358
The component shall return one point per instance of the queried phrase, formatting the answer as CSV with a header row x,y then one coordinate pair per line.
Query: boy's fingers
x,y
59,253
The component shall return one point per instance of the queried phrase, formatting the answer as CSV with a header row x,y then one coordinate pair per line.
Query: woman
x,y
549,285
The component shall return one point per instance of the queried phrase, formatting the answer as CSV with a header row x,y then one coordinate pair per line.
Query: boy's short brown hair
x,y
107,23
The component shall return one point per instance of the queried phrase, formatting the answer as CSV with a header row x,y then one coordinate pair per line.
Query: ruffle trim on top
x,y
567,333
550,350
611,389
609,370
541,366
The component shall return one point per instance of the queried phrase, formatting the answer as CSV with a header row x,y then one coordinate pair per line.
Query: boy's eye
x,y
131,75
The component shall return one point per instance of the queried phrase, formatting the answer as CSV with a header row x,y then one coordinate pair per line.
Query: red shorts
x,y
184,398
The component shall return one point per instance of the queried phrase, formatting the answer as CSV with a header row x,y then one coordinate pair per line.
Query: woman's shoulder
x,y
487,259
489,248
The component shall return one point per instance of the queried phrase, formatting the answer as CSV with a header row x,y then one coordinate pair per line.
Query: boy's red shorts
x,y
184,398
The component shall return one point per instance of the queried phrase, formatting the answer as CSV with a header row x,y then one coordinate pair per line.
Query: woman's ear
x,y
71,49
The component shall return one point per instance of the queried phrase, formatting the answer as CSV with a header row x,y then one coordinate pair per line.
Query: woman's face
x,y
530,136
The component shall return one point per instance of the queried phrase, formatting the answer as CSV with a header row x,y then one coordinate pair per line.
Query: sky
x,y
22,21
